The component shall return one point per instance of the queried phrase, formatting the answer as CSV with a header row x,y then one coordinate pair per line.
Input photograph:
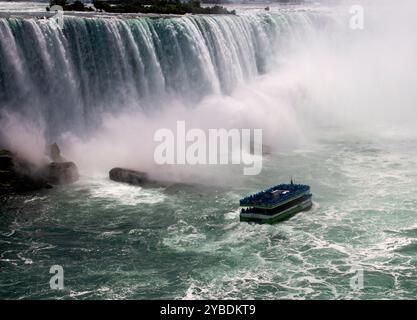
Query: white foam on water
x,y
121,193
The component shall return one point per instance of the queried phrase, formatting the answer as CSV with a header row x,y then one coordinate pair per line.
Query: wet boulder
x,y
62,172
129,176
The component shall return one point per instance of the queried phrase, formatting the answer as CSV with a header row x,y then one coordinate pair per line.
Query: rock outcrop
x,y
133,177
142,179
54,153
6,160
62,172
59,171
18,175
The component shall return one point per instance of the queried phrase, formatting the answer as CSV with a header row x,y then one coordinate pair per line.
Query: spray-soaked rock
x,y
139,178
6,160
18,175
129,176
54,153
62,172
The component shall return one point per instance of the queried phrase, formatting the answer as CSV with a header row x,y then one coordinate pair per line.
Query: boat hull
x,y
277,217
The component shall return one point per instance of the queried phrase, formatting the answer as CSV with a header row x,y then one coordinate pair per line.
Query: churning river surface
x,y
119,241
286,71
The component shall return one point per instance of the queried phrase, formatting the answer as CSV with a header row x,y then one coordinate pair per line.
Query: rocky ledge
x,y
18,175
61,172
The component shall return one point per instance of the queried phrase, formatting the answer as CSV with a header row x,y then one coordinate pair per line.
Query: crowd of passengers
x,y
265,197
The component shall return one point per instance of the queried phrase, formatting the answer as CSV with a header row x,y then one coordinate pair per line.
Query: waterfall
x,y
68,78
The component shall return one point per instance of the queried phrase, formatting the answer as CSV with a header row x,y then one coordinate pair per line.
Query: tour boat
x,y
276,203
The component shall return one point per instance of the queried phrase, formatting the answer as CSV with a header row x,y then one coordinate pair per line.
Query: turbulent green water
x,y
118,241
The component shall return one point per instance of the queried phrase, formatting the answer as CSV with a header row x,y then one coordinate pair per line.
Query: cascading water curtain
x,y
68,78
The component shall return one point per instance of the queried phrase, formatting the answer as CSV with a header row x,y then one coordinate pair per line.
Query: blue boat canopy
x,y
274,195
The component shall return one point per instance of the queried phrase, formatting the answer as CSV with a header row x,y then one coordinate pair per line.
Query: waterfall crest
x,y
68,78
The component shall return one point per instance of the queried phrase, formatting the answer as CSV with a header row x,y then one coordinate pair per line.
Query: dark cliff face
x,y
18,175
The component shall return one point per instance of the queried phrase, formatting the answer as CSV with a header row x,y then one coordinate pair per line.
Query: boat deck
x,y
275,196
